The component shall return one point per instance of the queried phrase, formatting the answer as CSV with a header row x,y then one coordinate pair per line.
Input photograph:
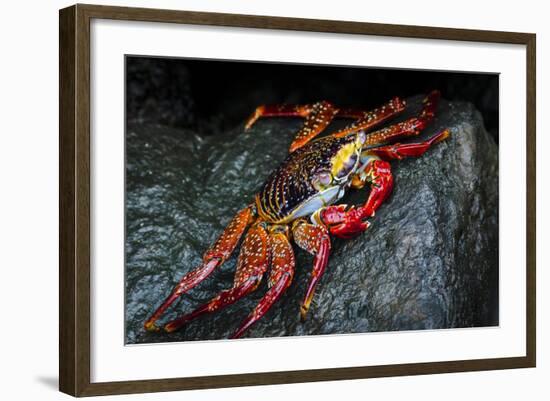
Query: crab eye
x,y
348,166
361,137
321,180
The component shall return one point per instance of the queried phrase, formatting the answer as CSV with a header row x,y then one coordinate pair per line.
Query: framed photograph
x,y
279,200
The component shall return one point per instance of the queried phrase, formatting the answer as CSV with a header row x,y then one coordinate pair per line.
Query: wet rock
x,y
428,261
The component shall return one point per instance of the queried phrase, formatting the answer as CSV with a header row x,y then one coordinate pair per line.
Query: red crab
x,y
298,201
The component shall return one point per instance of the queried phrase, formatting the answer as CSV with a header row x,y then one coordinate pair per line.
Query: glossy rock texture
x,y
428,261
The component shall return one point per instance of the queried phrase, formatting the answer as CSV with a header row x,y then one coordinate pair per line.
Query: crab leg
x,y
401,150
319,115
318,119
251,265
280,277
412,126
212,258
289,110
369,119
314,239
283,110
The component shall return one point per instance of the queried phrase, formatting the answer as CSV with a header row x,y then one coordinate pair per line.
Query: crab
x,y
298,202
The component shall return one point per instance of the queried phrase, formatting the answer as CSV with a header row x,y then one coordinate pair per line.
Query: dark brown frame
x,y
74,202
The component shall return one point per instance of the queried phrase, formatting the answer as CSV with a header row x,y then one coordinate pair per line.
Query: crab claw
x,y
342,221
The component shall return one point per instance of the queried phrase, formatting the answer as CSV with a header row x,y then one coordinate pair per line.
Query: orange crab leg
x,y
369,119
319,115
251,265
280,277
224,299
314,239
412,126
289,110
318,119
213,257
401,150
284,110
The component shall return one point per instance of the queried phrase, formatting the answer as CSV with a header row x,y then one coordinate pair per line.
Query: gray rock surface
x,y
428,261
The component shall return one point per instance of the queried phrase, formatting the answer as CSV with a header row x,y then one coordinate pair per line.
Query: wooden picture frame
x,y
74,205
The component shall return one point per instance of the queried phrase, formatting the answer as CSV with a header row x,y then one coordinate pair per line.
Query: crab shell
x,y
313,176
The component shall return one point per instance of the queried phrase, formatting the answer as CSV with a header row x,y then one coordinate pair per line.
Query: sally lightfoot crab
x,y
299,199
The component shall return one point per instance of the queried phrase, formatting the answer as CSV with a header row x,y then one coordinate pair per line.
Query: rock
x,y
428,261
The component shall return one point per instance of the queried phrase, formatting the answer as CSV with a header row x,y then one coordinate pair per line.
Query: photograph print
x,y
267,200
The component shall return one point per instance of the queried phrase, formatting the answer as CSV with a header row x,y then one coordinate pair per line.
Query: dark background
x,y
210,96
